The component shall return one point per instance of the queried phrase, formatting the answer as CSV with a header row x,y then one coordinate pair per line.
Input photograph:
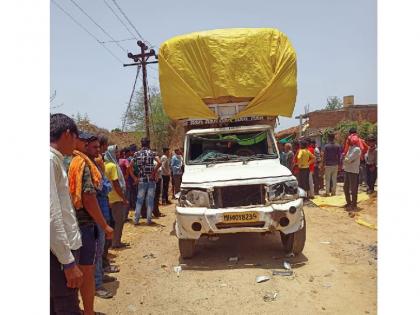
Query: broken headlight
x,y
283,191
194,198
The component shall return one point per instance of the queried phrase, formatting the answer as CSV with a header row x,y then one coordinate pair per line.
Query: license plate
x,y
234,217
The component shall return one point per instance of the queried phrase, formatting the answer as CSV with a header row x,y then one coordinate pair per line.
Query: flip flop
x,y
111,269
103,293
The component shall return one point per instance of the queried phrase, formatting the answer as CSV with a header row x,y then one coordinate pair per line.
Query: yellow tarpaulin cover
x,y
337,201
252,63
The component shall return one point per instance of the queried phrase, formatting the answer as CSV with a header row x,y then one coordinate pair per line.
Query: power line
x,y
120,40
101,28
131,98
129,22
119,19
87,31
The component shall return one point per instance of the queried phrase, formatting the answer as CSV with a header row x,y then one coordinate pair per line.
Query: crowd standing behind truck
x,y
330,160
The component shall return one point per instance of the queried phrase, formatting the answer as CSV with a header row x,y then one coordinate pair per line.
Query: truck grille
x,y
244,195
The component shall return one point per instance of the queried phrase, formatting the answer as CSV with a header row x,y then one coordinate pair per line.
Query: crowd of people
x,y
357,158
94,185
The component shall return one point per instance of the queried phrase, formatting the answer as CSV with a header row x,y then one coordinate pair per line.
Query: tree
x,y
116,130
161,127
364,128
334,102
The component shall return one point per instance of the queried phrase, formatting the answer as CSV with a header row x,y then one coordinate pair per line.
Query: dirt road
x,y
335,275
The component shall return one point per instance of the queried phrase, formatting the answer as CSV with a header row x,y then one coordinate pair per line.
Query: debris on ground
x,y
178,270
149,256
260,279
327,285
282,273
373,249
337,201
131,308
269,297
311,279
325,242
366,224
223,285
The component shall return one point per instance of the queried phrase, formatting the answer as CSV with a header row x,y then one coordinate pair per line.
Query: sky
x,y
335,43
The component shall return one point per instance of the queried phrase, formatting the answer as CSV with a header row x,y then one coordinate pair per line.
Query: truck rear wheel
x,y
186,248
294,242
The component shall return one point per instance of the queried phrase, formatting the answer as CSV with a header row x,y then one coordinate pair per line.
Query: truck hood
x,y
236,173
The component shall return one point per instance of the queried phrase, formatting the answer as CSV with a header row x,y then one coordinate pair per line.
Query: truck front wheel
x,y
186,248
294,242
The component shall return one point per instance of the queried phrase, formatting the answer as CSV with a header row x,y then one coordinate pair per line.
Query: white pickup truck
x,y
234,183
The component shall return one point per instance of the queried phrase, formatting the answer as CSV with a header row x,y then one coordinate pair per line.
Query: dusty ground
x,y
336,274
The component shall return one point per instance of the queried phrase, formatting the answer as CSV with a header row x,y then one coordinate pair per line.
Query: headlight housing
x,y
194,198
283,191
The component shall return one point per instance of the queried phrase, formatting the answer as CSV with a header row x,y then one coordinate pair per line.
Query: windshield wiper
x,y
259,156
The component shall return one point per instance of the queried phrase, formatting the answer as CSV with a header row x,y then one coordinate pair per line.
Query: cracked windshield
x,y
222,147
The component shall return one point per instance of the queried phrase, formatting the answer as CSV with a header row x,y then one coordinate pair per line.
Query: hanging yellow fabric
x,y
257,64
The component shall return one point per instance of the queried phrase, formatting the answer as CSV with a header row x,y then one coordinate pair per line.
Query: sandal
x,y
111,269
107,279
103,293
122,245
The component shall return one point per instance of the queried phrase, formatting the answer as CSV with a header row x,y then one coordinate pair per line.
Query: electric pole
x,y
141,60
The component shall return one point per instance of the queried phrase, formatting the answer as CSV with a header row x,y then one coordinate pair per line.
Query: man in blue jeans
x,y
100,277
147,173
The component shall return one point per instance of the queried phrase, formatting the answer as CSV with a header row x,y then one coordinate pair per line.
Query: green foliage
x,y
334,102
116,130
325,134
160,131
364,128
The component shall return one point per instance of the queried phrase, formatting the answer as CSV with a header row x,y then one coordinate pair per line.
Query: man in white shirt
x,y
65,237
351,165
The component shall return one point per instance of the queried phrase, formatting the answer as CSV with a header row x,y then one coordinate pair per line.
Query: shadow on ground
x,y
252,249
112,286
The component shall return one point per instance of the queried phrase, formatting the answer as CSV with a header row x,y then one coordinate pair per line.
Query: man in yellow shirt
x,y
304,159
117,200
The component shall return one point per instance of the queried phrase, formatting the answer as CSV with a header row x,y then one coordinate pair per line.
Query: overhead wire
x,y
87,31
117,41
131,97
97,24
129,22
119,19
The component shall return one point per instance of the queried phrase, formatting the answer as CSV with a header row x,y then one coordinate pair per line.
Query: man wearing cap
x,y
84,181
147,172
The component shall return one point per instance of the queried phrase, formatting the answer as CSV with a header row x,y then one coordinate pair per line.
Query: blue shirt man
x,y
176,163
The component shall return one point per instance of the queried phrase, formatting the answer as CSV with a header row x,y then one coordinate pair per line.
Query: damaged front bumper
x,y
192,222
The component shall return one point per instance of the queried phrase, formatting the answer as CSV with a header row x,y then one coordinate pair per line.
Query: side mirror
x,y
177,196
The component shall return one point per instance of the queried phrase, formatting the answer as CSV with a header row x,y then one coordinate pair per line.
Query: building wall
x,y
323,119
